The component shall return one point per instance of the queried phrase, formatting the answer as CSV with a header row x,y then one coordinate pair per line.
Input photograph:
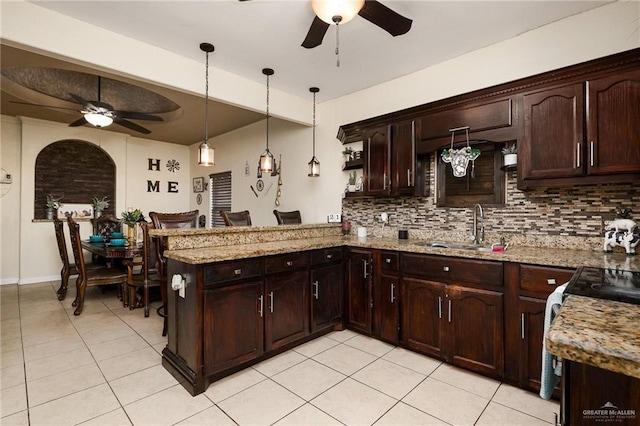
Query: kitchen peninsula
x,y
252,292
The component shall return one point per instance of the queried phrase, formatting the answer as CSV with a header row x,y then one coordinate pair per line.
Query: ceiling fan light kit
x,y
314,164
327,10
266,158
98,119
206,152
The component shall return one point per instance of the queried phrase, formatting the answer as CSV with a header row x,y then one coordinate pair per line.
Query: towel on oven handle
x,y
550,376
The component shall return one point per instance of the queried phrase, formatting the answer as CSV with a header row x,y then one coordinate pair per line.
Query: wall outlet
x,y
334,218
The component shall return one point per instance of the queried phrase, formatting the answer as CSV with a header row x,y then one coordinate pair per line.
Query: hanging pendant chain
x,y
267,112
206,100
314,124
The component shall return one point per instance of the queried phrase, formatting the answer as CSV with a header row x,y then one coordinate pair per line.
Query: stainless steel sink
x,y
455,246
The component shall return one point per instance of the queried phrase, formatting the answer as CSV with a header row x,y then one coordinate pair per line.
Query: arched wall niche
x,y
75,170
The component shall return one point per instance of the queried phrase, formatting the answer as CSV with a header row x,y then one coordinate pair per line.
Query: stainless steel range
x,y
603,283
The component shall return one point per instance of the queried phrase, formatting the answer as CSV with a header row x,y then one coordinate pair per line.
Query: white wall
x,y
10,202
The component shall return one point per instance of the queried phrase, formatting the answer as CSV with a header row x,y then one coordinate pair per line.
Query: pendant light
x,y
205,151
266,159
314,164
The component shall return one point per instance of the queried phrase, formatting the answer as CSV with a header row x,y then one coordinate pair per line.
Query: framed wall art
x,y
198,184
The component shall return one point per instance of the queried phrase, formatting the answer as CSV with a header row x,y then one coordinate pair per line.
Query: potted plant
x,y
510,153
53,204
351,186
99,205
347,153
131,217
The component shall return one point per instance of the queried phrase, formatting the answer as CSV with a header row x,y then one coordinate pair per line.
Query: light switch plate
x,y
334,218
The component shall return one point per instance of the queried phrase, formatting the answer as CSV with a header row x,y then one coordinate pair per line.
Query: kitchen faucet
x,y
478,237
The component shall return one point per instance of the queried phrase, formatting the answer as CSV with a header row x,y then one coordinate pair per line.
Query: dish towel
x,y
549,378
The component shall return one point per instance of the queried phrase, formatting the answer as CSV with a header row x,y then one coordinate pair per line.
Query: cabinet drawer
x,y
452,270
543,279
389,262
285,262
328,255
233,270
492,115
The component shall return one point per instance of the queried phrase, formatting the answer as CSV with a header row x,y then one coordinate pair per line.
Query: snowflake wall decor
x,y
173,166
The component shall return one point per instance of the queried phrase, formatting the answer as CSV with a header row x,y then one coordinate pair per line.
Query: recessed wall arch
x,y
77,171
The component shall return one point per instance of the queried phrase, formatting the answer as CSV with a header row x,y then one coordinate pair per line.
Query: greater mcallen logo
x,y
609,413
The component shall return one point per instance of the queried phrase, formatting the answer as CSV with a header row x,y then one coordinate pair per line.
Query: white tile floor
x,y
104,368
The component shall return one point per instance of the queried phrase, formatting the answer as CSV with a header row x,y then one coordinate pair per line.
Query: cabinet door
x,y
475,330
422,316
377,166
326,296
531,335
286,312
233,325
387,308
552,144
403,158
358,289
613,130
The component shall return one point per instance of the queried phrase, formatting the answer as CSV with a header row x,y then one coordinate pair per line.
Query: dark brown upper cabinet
x,y
588,130
390,160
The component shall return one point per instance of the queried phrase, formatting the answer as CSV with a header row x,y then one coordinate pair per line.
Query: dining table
x,y
110,251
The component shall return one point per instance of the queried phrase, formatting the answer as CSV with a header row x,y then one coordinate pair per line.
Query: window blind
x,y
220,184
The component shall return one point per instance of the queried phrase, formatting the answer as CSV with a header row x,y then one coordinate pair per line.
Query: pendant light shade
x,y
205,151
266,159
345,9
314,164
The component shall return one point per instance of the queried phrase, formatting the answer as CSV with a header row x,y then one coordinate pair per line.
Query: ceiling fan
x,y
341,12
101,114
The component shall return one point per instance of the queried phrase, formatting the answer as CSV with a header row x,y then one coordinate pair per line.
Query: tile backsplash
x,y
569,217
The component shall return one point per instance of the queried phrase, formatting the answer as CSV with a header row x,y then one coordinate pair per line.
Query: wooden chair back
x,y
106,224
68,267
242,218
288,218
147,277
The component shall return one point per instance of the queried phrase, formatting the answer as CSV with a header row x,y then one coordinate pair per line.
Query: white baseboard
x,y
8,281
36,280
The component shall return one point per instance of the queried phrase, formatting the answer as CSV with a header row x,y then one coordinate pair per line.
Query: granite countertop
x,y
597,332
531,255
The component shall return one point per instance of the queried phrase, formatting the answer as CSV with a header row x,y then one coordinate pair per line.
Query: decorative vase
x,y
510,159
132,236
97,213
49,214
351,188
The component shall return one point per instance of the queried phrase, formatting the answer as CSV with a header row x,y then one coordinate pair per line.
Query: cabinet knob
x,y
551,281
238,271
387,260
445,268
289,263
329,256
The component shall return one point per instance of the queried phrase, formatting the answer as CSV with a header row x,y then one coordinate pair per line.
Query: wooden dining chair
x,y
88,277
288,218
242,218
68,268
168,221
147,277
106,224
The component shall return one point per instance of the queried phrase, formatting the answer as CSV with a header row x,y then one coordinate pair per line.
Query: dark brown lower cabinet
x,y
285,308
233,325
326,296
422,326
593,396
358,282
387,308
531,337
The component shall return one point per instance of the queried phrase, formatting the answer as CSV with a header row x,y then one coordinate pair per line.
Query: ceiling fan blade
x,y
79,99
316,33
133,126
79,122
380,15
138,116
41,105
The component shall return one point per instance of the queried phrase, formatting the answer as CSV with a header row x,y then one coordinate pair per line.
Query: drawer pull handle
x,y
261,305
551,281
329,256
289,263
388,260
238,271
445,269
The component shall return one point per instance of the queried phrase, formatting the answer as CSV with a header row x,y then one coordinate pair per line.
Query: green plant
x,y
131,217
100,203
352,178
510,149
53,203
348,151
